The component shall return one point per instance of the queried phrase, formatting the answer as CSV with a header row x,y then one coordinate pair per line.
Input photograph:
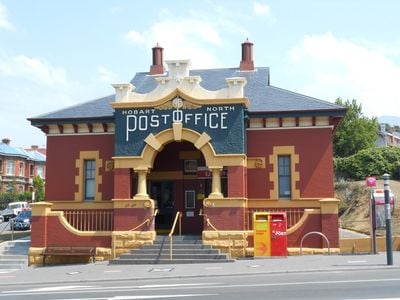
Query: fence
x,y
90,220
293,215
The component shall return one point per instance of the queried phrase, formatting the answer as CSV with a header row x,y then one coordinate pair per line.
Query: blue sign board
x,y
223,123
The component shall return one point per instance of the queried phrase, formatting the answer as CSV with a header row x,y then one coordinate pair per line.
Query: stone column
x,y
142,184
216,182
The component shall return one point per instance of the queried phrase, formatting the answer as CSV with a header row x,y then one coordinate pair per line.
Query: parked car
x,y
13,209
1,219
23,221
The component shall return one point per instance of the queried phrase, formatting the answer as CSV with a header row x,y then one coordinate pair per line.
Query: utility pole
x,y
389,250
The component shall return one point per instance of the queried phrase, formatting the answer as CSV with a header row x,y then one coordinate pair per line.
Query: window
x,y
21,169
10,168
190,197
31,170
1,167
190,166
40,171
284,176
89,179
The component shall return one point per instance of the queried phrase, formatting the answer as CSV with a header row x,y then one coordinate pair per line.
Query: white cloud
x,y
134,37
329,68
4,22
106,75
196,36
31,69
184,39
261,9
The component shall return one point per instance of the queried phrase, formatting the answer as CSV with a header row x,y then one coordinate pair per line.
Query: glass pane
x,y
284,176
90,174
89,189
190,199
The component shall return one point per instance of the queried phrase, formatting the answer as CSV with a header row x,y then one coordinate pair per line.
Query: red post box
x,y
278,233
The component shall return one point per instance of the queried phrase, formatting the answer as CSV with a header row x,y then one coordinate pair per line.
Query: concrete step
x,y
176,251
14,255
174,256
166,261
177,246
185,250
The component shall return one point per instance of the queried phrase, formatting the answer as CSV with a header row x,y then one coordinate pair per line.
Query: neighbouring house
x,y
387,138
215,145
19,166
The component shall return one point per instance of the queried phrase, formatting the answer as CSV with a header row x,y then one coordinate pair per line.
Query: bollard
x,y
389,250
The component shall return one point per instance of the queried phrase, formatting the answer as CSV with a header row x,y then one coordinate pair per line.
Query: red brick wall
x,y
236,181
122,184
225,218
330,228
58,236
314,147
129,218
62,151
39,232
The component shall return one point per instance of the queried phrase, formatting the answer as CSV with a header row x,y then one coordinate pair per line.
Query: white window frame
x,y
10,168
21,169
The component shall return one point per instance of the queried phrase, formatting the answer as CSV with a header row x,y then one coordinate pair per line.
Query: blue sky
x,y
54,54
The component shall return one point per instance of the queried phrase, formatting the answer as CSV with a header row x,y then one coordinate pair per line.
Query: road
x,y
350,284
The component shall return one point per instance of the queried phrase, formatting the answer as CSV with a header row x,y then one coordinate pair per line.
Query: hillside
x,y
356,214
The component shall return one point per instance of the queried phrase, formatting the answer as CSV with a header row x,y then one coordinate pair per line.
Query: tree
x,y
38,185
356,132
370,162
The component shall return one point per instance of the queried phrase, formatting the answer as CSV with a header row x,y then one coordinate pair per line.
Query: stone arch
x,y
155,143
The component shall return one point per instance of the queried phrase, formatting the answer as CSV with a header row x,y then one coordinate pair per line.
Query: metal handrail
x,y
148,220
177,216
207,220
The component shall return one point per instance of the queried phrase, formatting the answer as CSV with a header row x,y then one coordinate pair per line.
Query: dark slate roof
x,y
264,98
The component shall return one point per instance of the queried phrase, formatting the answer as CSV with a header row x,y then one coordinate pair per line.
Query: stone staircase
x,y
14,255
186,250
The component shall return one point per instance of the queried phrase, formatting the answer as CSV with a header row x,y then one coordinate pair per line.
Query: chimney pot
x,y
6,141
157,67
247,63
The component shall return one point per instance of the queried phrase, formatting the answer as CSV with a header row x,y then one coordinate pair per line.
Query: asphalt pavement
x,y
102,271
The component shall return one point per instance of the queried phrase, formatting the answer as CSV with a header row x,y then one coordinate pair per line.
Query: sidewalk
x,y
103,271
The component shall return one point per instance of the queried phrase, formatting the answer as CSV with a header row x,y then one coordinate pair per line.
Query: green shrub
x,y
370,162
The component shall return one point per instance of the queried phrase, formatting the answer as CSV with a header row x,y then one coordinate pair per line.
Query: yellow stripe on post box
x,y
262,234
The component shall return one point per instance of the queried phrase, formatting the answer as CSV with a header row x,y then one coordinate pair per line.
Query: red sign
x,y
371,181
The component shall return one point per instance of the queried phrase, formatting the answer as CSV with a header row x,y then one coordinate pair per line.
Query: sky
x,y
56,54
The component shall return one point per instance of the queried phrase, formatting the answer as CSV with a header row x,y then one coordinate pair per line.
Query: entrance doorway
x,y
175,186
163,193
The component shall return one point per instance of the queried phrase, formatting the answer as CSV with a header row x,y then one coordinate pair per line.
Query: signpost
x,y
371,182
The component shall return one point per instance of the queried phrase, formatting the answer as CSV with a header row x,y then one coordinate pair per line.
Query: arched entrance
x,y
177,183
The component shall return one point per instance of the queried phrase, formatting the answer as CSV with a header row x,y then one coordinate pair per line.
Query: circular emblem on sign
x,y
177,103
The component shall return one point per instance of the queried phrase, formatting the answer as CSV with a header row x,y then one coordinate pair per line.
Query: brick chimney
x,y
35,147
157,67
6,141
247,63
